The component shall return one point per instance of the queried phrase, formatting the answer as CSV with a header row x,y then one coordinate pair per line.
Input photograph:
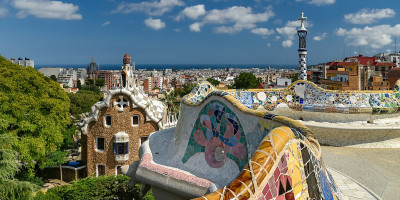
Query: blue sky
x,y
195,31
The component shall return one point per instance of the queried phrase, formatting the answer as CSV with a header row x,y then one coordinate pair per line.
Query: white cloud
x,y
366,16
47,9
320,37
195,27
375,37
192,12
287,43
106,23
155,8
155,24
177,30
318,2
3,12
240,18
289,31
265,32
268,44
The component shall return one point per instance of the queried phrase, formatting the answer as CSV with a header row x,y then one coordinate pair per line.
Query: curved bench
x,y
223,149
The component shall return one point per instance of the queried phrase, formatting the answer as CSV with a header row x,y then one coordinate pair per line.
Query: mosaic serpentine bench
x,y
306,96
362,119
221,149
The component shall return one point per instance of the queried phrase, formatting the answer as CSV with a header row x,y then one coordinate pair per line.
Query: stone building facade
x,y
131,122
117,126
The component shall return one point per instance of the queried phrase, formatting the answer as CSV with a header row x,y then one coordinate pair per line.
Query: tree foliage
x,y
213,81
187,88
103,187
82,101
53,77
172,101
100,82
34,109
246,81
12,188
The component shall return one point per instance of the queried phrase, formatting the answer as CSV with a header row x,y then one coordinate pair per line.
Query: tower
x,y
127,77
302,33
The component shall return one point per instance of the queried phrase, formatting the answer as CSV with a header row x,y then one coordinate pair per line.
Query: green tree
x,y
246,81
187,88
100,82
57,158
79,84
92,88
294,77
34,109
53,77
89,82
213,81
171,100
11,187
82,101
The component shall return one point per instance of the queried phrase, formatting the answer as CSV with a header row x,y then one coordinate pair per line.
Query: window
x,y
117,170
143,139
108,120
100,144
101,170
121,148
135,120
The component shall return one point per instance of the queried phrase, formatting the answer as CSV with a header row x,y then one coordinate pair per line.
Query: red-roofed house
x,y
357,73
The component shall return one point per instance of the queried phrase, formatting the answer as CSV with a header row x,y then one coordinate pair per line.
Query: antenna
x,y
395,43
344,51
350,52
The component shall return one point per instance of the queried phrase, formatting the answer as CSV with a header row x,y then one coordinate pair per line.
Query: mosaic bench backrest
x,y
277,157
306,96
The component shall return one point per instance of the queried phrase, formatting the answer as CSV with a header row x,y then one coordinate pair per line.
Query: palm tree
x,y
172,101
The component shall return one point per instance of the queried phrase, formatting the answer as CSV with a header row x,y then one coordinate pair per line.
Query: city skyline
x,y
194,32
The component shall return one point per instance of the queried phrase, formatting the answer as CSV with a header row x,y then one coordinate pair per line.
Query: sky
x,y
195,31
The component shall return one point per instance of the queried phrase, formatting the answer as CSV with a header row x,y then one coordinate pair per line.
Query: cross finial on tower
x,y
302,18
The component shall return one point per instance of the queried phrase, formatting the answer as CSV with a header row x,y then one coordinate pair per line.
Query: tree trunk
x,y
61,178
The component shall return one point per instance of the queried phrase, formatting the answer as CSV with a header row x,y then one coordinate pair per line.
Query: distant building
x,y
48,71
68,77
318,73
390,57
24,63
357,73
81,72
108,78
281,81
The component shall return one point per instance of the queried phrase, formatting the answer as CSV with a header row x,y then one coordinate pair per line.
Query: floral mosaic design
x,y
219,134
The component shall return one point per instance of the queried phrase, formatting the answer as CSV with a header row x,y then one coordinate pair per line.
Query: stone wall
x,y
121,121
69,174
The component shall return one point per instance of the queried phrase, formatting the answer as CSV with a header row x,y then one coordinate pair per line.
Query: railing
x,y
170,121
343,83
121,157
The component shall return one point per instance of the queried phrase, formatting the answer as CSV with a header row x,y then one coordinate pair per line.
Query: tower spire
x,y
302,33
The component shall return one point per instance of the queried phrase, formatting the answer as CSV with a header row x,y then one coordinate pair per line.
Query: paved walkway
x,y
376,169
349,188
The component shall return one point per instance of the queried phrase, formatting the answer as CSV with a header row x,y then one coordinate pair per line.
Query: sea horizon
x,y
176,66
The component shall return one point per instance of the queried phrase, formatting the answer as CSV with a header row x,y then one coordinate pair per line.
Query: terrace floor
x,y
376,169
